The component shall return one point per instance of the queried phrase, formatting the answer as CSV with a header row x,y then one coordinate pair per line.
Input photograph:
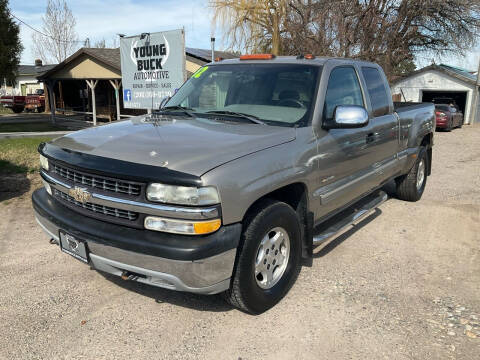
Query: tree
x,y
59,39
10,46
101,44
252,25
390,32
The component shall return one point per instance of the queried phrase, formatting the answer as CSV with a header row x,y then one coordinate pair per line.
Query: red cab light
x,y
309,56
257,57
217,59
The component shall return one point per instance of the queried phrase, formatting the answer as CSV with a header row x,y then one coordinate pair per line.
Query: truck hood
x,y
188,145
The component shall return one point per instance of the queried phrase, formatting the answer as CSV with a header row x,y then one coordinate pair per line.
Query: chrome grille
x,y
99,209
99,182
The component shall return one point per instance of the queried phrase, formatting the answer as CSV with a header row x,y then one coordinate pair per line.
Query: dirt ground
x,y
403,285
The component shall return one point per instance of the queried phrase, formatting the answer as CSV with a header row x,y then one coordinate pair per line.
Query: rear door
x,y
382,137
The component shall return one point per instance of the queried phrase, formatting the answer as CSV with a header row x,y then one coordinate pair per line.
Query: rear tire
x,y
250,291
410,187
449,126
17,110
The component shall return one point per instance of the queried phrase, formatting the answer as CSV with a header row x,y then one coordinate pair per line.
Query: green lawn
x,y
4,110
20,155
29,127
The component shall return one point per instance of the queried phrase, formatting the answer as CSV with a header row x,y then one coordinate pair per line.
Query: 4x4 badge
x,y
80,194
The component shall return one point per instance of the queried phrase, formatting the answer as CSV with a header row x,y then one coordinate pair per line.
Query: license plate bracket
x,y
74,246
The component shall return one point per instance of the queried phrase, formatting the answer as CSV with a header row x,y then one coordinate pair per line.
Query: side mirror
x,y
348,116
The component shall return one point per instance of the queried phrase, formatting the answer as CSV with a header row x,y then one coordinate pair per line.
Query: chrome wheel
x,y
272,258
420,174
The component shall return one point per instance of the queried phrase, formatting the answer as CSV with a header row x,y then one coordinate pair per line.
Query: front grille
x,y
98,209
98,182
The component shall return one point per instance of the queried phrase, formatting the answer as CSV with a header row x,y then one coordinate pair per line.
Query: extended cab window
x,y
376,90
278,94
343,89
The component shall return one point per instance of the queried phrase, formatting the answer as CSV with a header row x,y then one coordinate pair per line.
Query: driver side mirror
x,y
347,117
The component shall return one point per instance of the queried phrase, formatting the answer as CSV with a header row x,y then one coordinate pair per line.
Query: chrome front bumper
x,y
204,276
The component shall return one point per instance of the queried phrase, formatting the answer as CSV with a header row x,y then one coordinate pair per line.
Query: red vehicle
x,y
16,103
32,102
35,102
448,117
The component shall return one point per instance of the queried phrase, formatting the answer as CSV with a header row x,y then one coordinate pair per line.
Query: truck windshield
x,y
276,94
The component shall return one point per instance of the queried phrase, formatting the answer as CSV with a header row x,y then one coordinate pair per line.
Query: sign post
x,y
153,67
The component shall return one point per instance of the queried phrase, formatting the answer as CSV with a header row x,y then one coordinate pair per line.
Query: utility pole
x,y
474,110
477,102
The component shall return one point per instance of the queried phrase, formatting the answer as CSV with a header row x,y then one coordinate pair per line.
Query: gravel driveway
x,y
404,285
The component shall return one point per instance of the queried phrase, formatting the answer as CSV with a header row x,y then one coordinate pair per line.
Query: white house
x,y
26,81
441,81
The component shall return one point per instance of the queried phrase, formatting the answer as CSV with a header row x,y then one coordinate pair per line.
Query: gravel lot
x,y
405,285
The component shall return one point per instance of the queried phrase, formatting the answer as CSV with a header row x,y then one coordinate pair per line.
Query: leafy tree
x,y
10,45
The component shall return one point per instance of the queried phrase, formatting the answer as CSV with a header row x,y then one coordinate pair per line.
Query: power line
x,y
41,33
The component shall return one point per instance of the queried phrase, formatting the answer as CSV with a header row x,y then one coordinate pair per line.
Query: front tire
x,y
268,259
410,187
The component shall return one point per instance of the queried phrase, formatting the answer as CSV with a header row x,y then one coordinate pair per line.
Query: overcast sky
x,y
98,19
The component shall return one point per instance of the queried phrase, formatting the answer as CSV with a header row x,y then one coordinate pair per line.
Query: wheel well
x,y
295,195
427,141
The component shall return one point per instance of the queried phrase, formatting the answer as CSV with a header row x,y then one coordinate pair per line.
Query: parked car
x,y
14,102
252,163
448,117
35,102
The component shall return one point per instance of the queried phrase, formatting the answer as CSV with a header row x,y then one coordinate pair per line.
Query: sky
x,y
103,19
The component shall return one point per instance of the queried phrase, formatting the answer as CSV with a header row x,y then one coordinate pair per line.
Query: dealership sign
x,y
153,67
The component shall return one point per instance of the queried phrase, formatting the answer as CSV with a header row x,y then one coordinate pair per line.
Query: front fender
x,y
245,180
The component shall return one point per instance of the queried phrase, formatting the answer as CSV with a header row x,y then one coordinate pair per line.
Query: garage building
x,y
441,81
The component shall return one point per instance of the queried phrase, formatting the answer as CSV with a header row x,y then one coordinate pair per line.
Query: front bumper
x,y
198,264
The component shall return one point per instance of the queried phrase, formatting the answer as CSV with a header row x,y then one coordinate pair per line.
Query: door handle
x,y
371,138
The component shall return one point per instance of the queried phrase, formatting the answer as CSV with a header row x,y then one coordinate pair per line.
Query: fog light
x,y
182,226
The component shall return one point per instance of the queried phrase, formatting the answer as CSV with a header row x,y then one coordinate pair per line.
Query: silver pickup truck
x,y
229,187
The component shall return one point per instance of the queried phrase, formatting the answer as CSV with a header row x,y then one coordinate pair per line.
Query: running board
x,y
341,222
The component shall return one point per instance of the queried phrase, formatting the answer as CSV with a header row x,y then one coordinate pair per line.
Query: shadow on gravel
x,y
325,249
213,303
13,185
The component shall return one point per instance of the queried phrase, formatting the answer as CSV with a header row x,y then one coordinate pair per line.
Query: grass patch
x,y
20,155
4,110
29,127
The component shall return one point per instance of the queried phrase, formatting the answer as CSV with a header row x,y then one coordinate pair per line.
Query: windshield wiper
x,y
252,118
185,110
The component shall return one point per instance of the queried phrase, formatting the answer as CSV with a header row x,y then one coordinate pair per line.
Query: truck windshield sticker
x,y
199,72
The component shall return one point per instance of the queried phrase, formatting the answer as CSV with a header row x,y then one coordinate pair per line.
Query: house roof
x,y
33,70
111,57
206,55
458,73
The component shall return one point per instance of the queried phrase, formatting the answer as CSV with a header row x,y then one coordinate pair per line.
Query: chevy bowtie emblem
x,y
80,194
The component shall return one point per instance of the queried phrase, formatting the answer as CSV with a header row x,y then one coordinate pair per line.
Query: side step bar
x,y
341,222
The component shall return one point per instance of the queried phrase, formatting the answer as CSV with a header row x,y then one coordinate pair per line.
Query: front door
x,y
343,154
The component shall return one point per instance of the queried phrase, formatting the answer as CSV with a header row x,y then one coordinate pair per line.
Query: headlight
x,y
181,226
43,162
182,195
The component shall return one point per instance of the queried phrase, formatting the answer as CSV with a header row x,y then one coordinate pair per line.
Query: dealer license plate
x,y
73,246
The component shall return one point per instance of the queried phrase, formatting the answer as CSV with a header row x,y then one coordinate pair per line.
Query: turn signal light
x,y
257,57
